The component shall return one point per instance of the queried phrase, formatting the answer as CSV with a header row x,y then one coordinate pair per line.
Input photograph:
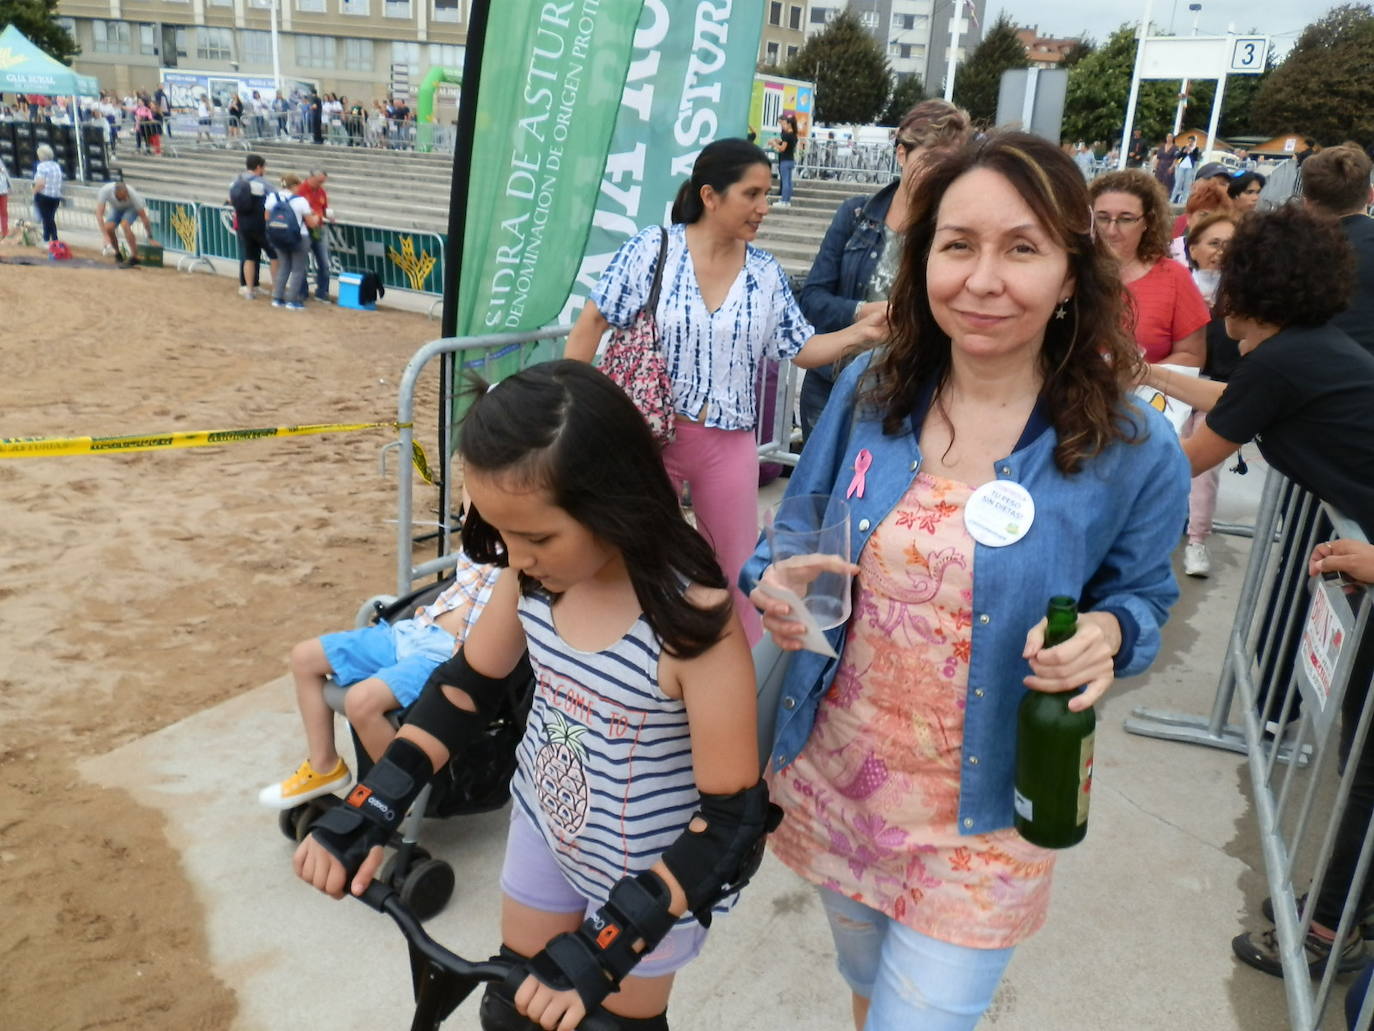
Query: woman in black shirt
x,y
786,146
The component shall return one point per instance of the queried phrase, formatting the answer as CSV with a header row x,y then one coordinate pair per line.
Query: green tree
x,y
978,80
1324,88
906,95
37,19
1080,50
1239,115
1099,87
847,65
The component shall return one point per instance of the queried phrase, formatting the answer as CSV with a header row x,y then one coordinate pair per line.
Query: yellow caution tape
x,y
54,447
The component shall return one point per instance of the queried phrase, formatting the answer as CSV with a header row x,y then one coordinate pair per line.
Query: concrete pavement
x,y
1138,935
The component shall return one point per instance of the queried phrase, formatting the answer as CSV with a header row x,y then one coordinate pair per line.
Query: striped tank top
x,y
605,766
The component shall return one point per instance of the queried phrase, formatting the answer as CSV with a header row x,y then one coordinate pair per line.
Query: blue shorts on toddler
x,y
401,655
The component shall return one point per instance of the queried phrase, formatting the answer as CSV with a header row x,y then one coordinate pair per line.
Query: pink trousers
x,y
722,467
1202,498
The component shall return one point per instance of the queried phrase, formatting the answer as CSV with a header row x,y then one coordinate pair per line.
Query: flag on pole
x,y
551,82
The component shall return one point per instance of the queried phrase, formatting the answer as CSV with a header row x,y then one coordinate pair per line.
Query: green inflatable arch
x,y
424,105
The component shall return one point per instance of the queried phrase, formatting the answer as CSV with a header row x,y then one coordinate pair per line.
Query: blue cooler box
x,y
350,284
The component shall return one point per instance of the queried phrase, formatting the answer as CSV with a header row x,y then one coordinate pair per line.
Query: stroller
x,y
477,781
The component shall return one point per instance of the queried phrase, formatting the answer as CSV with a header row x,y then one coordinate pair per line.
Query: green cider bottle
x,y
1054,753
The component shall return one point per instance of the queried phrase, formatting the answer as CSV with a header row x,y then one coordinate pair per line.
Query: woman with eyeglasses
x,y
1131,213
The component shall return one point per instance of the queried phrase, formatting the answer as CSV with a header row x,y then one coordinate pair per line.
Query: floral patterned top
x,y
872,801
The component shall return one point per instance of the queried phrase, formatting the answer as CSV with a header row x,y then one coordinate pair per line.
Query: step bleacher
x,y
405,190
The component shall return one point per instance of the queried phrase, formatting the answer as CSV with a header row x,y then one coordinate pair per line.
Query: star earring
x,y
1062,310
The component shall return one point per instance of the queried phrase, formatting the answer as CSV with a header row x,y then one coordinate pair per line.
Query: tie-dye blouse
x,y
712,356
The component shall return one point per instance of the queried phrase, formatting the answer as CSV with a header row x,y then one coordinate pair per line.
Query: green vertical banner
x,y
550,91
690,81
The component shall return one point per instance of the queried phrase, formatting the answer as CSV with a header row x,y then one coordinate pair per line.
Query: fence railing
x,y
371,131
821,158
402,259
493,356
1299,660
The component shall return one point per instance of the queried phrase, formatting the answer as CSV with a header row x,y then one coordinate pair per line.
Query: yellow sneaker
x,y
305,784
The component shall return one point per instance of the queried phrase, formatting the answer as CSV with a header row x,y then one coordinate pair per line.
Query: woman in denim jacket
x,y
854,269
1009,370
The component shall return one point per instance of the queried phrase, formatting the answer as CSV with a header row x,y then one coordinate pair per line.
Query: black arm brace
x,y
595,958
454,671
719,860
375,807
710,865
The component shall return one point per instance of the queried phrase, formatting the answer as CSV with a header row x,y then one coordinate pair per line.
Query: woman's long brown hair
x,y
1089,359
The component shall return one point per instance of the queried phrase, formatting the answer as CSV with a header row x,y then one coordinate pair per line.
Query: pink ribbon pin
x,y
862,461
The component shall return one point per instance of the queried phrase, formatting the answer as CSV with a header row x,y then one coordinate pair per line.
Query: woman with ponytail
x,y
724,306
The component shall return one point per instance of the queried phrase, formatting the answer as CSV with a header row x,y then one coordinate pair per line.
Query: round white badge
x,y
999,513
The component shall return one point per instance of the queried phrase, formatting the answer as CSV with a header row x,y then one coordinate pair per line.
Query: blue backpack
x,y
283,227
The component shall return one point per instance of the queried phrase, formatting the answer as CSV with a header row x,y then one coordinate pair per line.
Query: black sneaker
x,y
1260,949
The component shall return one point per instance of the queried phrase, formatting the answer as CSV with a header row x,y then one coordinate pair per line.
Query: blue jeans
x,y
319,247
910,979
785,180
290,279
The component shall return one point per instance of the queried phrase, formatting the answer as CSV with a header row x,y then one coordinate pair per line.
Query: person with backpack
x,y
289,221
247,194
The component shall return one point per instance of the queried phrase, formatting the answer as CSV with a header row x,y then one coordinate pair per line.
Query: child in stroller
x,y
383,667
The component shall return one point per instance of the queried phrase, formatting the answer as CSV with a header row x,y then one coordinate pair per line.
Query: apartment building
x,y
915,33
365,49
1045,51
784,32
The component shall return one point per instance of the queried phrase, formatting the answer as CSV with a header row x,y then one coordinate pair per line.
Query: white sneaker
x,y
1196,561
247,293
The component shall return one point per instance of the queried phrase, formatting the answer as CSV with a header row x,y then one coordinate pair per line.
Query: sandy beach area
x,y
137,589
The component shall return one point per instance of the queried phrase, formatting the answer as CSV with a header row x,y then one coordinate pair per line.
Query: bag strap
x,y
651,305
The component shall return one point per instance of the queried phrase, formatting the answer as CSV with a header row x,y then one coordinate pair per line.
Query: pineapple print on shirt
x,y
605,766
560,777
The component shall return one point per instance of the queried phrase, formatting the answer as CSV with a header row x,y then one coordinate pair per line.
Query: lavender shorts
x,y
531,876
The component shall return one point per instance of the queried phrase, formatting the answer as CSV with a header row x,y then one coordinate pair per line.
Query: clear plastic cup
x,y
808,536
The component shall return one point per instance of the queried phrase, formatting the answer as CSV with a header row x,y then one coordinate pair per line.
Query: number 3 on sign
x,y
1248,55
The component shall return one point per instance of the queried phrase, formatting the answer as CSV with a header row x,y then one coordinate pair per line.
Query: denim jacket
x,y
1103,535
843,265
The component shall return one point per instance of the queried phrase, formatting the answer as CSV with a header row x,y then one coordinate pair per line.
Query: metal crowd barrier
x,y
402,259
493,356
1300,656
821,158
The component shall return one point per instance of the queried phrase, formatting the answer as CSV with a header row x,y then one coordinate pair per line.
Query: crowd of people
x,y
147,116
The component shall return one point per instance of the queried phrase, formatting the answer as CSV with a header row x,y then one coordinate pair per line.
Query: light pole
x,y
953,47
276,51
1183,93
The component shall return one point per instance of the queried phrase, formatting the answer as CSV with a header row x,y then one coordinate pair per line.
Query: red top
x,y
1180,225
1168,307
316,195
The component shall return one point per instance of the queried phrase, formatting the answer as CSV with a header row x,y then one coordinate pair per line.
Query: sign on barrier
x,y
401,260
175,223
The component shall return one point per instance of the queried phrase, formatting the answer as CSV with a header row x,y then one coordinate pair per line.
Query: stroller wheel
x,y
427,887
390,874
286,821
306,816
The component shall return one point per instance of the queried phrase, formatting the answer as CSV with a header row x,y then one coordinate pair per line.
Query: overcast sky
x,y
1281,19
